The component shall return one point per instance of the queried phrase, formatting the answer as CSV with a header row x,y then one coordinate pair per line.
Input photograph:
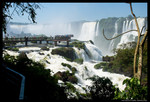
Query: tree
x,y
102,89
139,47
19,8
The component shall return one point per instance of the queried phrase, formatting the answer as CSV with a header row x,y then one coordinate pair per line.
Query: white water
x,y
111,45
91,30
130,36
84,70
87,31
84,31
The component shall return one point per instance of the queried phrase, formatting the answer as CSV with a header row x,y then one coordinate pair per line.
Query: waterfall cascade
x,y
111,45
131,36
90,53
93,31
88,31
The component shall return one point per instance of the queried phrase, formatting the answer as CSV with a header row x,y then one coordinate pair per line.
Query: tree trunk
x,y
139,73
138,42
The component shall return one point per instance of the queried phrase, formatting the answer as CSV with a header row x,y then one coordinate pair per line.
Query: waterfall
x,y
81,54
97,29
90,53
87,31
131,36
111,45
93,52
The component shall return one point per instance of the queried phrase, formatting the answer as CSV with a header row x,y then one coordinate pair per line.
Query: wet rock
x,y
22,56
41,53
72,79
66,76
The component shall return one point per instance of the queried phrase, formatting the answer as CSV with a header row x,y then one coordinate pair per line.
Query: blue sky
x,y
67,12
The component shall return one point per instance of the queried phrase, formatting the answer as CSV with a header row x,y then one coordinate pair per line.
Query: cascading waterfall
x,y
130,36
97,29
90,53
87,31
93,52
111,45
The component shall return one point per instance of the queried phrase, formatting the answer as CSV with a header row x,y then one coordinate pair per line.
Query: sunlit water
x,y
84,71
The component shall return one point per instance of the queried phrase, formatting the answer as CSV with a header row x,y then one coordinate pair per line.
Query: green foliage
x,y
66,52
122,63
102,89
79,60
70,87
85,68
100,65
132,91
97,66
40,85
79,45
73,69
11,60
10,44
84,96
66,65
45,48
19,8
13,49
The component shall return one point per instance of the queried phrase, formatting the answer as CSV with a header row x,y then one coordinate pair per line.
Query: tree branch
x,y
143,40
117,35
142,30
138,41
11,15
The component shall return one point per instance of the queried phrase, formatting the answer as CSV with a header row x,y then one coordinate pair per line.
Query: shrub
x,y
103,65
79,45
66,65
102,89
40,85
69,86
133,90
73,69
79,60
67,53
13,49
122,62
45,48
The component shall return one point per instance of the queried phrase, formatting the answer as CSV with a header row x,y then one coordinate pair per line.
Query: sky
x,y
68,12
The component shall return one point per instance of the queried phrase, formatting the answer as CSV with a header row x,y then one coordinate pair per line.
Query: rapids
x,y
84,71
